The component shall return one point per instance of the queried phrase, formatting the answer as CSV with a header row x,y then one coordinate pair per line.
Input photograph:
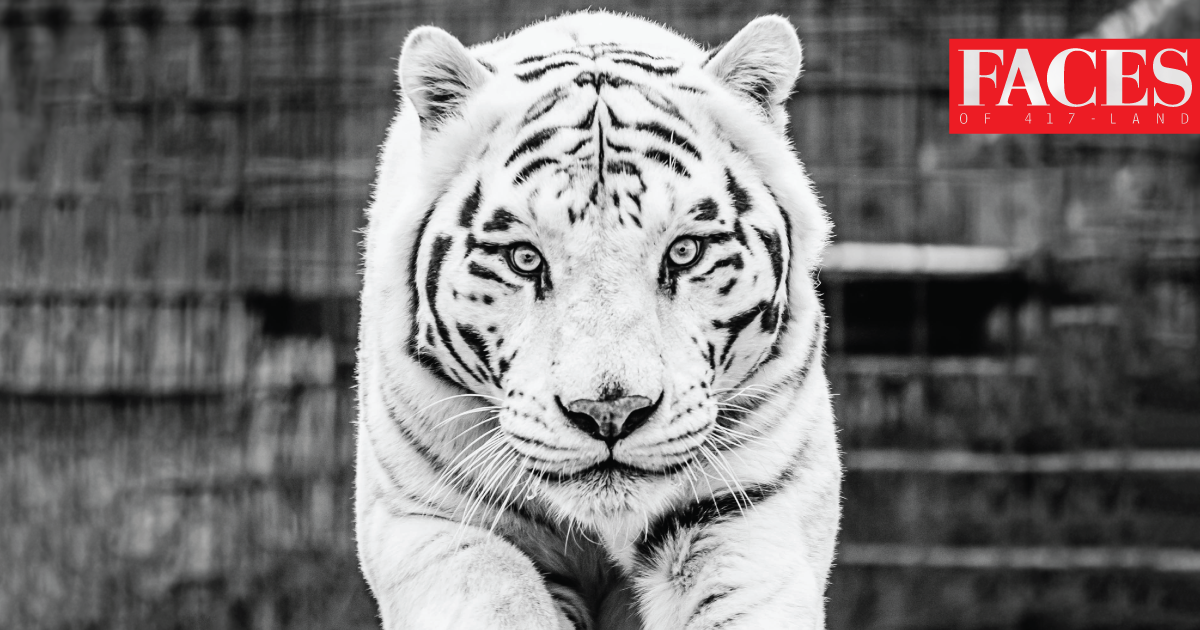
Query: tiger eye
x,y
525,259
684,251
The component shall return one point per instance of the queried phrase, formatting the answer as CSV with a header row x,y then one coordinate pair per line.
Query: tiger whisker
x,y
469,498
465,413
495,467
495,456
491,484
748,412
466,450
719,463
504,503
691,477
737,481
743,437
461,467
530,479
758,431
748,385
448,398
742,393
476,426
730,444
721,475
570,527
730,399
753,414
712,493
709,476
726,433
452,473
762,389
728,405
465,467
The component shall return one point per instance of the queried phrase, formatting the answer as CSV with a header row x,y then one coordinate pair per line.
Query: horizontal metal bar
x,y
1078,461
920,259
1166,560
886,365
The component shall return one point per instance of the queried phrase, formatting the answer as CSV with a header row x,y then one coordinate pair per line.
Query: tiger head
x,y
601,237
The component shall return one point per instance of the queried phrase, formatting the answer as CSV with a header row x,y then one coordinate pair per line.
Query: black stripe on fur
x,y
437,258
815,348
500,221
705,210
736,324
543,105
703,513
711,510
669,135
741,198
668,160
413,347
774,247
709,600
663,104
536,73
622,167
532,168
733,260
651,68
633,53
532,142
483,273
545,56
470,335
470,207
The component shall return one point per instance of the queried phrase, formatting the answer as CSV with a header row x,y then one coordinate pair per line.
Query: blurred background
x,y
1014,319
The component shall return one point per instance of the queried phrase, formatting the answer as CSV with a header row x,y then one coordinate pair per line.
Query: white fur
x,y
457,525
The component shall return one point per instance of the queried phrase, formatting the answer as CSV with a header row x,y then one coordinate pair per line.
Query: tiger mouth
x,y
611,467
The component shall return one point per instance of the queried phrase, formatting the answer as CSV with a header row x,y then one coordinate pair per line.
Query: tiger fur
x,y
562,425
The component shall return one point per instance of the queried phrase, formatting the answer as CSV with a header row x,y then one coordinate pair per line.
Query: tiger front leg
x,y
430,574
755,567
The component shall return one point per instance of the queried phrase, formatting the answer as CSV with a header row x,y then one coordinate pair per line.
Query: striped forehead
x,y
604,128
533,67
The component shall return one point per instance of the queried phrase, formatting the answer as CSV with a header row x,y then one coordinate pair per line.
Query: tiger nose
x,y
610,420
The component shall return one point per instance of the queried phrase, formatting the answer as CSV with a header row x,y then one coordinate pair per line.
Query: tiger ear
x,y
437,74
760,63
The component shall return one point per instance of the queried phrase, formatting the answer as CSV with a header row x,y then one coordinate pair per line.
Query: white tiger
x,y
590,363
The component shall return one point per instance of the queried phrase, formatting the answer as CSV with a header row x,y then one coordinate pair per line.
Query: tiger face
x,y
601,252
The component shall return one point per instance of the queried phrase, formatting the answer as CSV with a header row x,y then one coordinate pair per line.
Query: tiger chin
x,y
591,391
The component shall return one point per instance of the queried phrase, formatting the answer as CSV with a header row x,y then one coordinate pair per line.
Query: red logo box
x,y
1074,85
